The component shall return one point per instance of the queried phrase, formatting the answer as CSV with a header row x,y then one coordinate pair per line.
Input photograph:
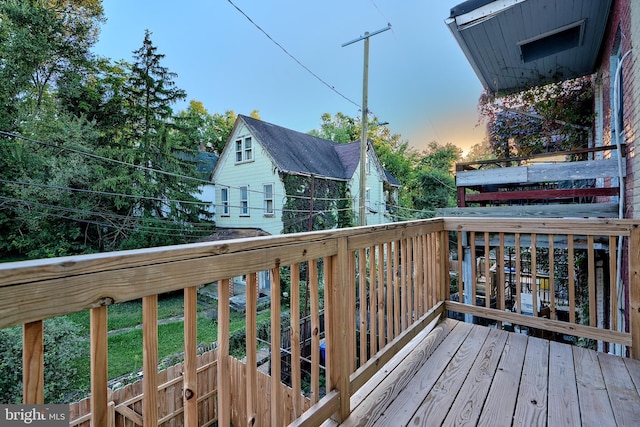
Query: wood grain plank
x,y
622,392
33,362
99,367
435,406
396,378
633,366
531,406
563,409
251,349
595,408
150,359
471,397
501,401
409,399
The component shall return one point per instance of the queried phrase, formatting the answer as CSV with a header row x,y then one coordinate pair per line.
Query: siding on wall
x,y
253,174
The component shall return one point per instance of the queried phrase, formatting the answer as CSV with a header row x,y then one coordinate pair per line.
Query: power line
x,y
104,193
293,57
18,202
107,159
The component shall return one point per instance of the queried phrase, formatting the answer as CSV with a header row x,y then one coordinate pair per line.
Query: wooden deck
x,y
463,374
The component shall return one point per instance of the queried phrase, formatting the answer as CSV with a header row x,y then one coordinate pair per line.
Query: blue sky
x,y
419,80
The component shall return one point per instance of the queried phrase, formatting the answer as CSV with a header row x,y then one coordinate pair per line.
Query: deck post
x,y
634,289
337,356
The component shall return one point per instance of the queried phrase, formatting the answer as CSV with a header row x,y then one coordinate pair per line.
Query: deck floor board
x,y
472,375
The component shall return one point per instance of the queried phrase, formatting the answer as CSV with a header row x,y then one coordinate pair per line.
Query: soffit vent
x,y
553,42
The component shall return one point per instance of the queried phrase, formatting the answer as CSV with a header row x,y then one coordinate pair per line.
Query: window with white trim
x,y
224,201
268,199
244,200
244,150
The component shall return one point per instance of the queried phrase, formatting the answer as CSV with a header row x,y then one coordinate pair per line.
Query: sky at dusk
x,y
419,80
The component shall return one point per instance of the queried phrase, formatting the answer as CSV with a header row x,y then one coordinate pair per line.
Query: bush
x,y
62,344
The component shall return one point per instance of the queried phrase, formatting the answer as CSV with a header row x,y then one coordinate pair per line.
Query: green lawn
x,y
125,347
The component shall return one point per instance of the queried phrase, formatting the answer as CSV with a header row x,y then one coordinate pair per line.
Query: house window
x,y
368,164
244,150
268,199
368,198
244,201
224,200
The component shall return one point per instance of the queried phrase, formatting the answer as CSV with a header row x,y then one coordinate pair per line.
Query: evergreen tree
x,y
166,202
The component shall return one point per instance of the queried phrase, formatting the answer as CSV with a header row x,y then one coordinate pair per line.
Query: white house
x,y
280,180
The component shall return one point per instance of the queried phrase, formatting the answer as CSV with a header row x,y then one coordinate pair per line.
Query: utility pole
x,y
365,110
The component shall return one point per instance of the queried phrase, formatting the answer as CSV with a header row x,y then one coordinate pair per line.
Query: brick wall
x,y
625,15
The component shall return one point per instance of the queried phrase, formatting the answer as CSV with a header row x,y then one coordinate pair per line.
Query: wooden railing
x,y
379,287
550,179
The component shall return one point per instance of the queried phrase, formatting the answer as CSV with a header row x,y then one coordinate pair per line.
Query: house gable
x,y
244,170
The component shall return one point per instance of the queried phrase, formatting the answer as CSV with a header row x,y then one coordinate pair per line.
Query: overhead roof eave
x,y
516,44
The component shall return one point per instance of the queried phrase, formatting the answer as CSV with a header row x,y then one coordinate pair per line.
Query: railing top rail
x,y
470,165
57,286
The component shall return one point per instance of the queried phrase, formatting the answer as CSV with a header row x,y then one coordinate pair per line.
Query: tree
x,y
63,343
166,197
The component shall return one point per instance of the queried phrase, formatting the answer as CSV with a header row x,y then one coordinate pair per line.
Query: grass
x,y
125,347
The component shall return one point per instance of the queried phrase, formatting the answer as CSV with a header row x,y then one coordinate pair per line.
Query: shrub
x,y
62,344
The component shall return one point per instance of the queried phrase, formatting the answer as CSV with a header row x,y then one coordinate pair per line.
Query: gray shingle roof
x,y
297,152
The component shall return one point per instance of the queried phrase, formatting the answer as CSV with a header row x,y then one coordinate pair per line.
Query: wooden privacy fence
x,y
379,286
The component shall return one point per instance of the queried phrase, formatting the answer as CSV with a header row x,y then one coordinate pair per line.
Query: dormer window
x,y
244,150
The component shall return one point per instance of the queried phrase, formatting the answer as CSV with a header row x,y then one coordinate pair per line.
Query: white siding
x,y
374,182
253,174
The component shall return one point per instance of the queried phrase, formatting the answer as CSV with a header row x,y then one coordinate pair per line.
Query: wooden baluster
x,y
190,380
362,275
373,302
613,279
396,288
224,379
251,340
591,266
488,283
381,302
551,288
518,274
473,284
315,330
352,310
572,279
150,359
389,288
294,308
534,275
99,366
33,363
276,368
461,283
403,286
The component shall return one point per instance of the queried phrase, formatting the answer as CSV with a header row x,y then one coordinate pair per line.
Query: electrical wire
x,y
293,57
104,193
107,159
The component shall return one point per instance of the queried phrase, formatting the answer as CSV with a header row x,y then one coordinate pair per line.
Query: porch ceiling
x,y
515,44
